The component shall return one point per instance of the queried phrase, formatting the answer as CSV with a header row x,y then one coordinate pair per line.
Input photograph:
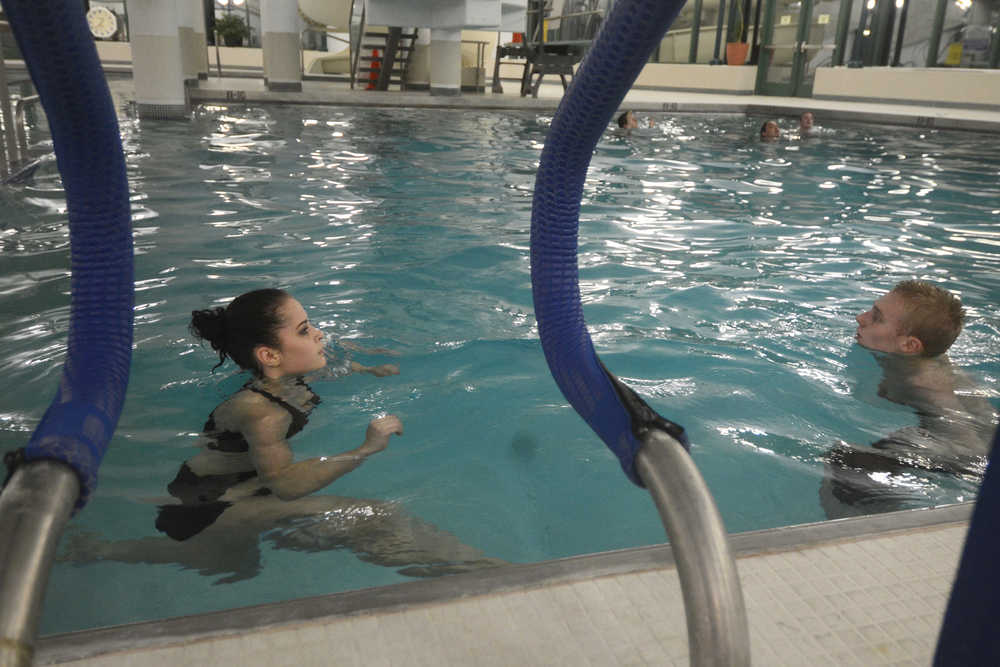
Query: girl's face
x,y
300,344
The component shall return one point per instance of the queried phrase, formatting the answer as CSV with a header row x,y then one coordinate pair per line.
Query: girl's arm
x,y
347,344
336,368
377,371
272,456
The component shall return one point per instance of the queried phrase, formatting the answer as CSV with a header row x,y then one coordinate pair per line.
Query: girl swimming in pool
x,y
245,450
244,484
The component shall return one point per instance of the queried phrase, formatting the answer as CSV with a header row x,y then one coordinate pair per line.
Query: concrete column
x,y
446,62
279,31
186,15
200,39
418,74
157,69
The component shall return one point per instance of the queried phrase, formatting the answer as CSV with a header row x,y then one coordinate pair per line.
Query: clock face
x,y
103,22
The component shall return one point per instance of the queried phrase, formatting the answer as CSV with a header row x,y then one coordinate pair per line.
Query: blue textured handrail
x,y
622,47
968,632
62,59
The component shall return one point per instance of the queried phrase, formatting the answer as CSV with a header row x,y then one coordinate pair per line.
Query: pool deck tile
x,y
868,599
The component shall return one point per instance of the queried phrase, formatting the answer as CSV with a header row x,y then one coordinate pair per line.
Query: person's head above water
x,y
627,121
770,130
916,318
806,121
265,331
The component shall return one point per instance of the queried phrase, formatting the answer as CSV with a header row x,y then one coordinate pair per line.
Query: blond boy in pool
x,y
914,325
911,328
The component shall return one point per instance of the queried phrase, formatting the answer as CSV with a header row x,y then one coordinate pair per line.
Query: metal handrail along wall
x,y
651,449
57,469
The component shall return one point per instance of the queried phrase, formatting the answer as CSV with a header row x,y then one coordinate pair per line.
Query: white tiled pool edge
x,y
866,591
252,91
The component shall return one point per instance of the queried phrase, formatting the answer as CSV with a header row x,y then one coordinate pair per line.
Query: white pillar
x,y
190,60
199,37
157,70
418,71
279,32
446,62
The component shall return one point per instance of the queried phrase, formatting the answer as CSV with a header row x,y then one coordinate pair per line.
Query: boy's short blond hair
x,y
931,314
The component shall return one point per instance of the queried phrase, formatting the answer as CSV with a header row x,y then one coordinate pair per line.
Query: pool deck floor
x,y
858,591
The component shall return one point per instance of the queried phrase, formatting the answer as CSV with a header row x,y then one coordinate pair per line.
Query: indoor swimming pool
x,y
720,278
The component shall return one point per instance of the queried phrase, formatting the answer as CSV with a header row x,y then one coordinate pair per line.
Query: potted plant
x,y
232,30
736,39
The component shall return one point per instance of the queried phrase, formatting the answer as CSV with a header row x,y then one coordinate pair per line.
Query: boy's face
x,y
771,131
806,121
881,327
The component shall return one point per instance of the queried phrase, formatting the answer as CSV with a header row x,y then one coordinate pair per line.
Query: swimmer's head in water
x,y
806,121
916,319
933,315
265,331
627,121
770,130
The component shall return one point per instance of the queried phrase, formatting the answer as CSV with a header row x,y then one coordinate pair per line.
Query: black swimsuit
x,y
234,442
199,494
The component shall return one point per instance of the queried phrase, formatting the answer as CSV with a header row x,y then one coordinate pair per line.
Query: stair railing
x,y
409,55
392,39
357,36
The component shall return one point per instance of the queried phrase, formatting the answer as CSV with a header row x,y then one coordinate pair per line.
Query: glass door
x,y
819,43
795,41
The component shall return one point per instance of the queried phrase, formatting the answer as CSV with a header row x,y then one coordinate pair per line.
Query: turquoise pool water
x,y
720,278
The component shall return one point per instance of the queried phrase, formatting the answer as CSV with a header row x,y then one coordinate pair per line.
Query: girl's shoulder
x,y
291,393
247,403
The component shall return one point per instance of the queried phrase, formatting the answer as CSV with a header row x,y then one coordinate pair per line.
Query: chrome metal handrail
x,y
480,59
34,508
22,135
551,19
713,599
8,148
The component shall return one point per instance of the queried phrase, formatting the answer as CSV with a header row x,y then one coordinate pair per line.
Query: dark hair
x,y
763,128
623,119
250,320
931,314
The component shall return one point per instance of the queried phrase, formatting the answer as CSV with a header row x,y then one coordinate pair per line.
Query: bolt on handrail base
x,y
718,634
34,509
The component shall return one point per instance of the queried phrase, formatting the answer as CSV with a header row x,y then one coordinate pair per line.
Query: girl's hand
x,y
378,433
383,370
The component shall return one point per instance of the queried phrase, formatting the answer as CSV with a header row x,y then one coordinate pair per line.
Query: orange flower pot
x,y
736,52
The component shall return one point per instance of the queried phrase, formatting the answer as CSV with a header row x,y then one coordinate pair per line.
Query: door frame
x,y
796,87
